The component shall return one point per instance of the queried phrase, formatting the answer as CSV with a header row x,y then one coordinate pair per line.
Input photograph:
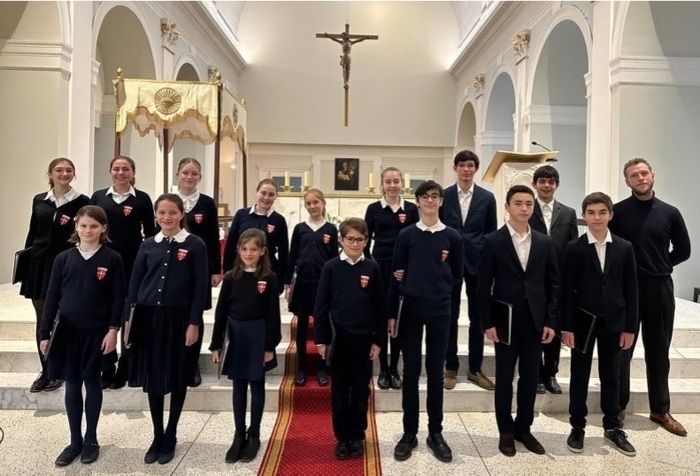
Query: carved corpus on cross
x,y
346,40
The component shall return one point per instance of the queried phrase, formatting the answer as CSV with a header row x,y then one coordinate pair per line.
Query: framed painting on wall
x,y
347,174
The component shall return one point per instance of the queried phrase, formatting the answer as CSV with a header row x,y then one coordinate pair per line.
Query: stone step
x,y
20,356
215,395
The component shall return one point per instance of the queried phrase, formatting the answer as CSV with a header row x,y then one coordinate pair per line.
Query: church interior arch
x,y
498,132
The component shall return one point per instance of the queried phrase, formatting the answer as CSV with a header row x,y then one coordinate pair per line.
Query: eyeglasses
x,y
433,196
353,240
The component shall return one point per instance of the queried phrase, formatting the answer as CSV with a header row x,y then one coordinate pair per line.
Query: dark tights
x,y
39,311
240,403
74,409
156,404
302,336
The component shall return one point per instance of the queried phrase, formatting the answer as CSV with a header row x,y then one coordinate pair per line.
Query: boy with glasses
x,y
428,259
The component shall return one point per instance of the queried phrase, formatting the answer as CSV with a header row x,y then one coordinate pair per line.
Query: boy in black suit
x,y
519,266
601,278
555,219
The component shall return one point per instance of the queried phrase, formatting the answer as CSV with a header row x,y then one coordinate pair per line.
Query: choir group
x,y
373,287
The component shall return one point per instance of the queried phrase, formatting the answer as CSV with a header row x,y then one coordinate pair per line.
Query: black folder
x,y
21,265
222,353
52,336
331,347
584,323
291,288
502,318
398,317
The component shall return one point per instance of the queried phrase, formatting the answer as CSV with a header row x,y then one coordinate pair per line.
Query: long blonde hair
x,y
319,194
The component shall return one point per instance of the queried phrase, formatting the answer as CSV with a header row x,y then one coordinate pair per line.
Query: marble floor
x,y
32,440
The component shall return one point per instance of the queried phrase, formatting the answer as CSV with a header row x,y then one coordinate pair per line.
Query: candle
x,y
407,184
286,179
306,178
371,180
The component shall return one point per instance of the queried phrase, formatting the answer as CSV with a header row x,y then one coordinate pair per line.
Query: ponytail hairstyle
x,y
319,194
97,214
132,182
173,198
54,163
264,267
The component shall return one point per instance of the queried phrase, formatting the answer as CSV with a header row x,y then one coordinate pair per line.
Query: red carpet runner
x,y
302,441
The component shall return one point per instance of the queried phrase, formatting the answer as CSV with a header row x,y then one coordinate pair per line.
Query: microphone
x,y
551,159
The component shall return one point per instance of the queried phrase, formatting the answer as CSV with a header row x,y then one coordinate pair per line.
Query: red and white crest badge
x,y
326,238
444,255
270,228
181,254
64,219
402,218
364,281
127,210
198,218
101,273
262,285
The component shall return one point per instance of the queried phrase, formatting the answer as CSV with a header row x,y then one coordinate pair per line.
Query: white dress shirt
x,y
522,244
439,226
180,237
465,200
120,197
394,208
344,257
547,209
189,201
254,209
70,195
600,248
315,225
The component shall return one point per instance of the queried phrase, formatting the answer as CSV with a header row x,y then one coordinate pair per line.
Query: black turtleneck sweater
x,y
657,232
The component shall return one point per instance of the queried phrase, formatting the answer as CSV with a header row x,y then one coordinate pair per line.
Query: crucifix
x,y
346,40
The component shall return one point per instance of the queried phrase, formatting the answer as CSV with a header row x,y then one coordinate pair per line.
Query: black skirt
x,y
36,282
246,350
76,354
160,362
304,298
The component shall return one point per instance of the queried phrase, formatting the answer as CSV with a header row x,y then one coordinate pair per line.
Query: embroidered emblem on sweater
x,y
326,238
101,273
402,218
198,218
364,281
181,254
270,228
444,255
64,219
262,285
127,210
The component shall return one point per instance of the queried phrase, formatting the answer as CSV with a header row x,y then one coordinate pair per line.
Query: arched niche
x,y
498,130
466,130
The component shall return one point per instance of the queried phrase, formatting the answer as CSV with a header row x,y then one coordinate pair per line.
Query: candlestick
x,y
371,180
286,179
306,178
407,184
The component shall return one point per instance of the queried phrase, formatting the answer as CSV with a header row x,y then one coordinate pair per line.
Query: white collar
x,y
70,195
543,203
192,198
253,211
512,231
439,226
386,204
592,239
344,257
131,191
468,192
180,237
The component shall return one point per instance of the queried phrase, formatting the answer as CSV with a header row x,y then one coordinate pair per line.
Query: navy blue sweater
x,y
384,226
203,222
652,226
171,274
432,264
88,294
129,222
353,297
275,228
310,250
248,299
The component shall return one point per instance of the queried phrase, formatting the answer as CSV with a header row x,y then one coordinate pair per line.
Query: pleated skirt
x,y
245,358
304,298
36,282
76,354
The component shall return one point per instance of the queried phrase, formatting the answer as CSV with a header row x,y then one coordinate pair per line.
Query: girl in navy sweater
x,y
314,242
87,291
385,219
130,217
168,290
263,217
249,310
202,220
50,227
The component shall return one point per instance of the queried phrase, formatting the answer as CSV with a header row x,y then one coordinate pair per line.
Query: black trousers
x,y
352,371
525,350
549,367
476,333
411,334
656,312
609,357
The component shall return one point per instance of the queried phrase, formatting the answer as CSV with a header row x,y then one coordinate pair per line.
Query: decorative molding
x,y
557,115
478,85
521,45
500,138
95,76
588,78
37,56
654,71
169,34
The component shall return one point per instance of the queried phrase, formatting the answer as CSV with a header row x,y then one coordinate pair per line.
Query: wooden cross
x,y
346,40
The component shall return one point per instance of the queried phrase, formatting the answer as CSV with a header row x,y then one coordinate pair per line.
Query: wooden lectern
x,y
513,168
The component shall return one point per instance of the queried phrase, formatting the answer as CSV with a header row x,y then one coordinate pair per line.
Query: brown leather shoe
x,y
481,380
506,444
450,380
668,423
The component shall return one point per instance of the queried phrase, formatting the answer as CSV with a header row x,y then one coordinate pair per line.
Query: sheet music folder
x,y
502,318
222,353
20,265
56,320
584,323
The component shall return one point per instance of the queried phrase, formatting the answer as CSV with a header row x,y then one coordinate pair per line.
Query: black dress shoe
x,y
68,455
357,448
342,450
405,446
552,386
39,383
530,443
322,378
439,446
251,447
395,379
541,390
153,452
117,383
234,452
197,381
506,444
53,385
90,453
575,440
167,451
300,379
383,380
